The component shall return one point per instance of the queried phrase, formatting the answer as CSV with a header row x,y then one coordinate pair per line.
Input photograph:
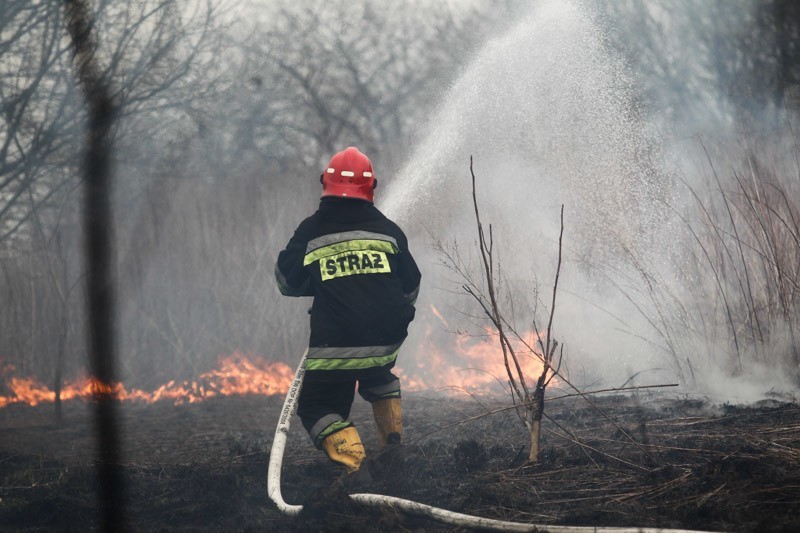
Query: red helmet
x,y
349,174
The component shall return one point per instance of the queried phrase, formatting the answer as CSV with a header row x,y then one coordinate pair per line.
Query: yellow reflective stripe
x,y
355,262
350,364
349,246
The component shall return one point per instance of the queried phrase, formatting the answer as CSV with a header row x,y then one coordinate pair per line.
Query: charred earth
x,y
633,461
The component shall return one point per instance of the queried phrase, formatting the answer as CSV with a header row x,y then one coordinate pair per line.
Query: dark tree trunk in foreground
x,y
100,288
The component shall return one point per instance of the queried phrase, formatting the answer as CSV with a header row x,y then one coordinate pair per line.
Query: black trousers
x,y
325,399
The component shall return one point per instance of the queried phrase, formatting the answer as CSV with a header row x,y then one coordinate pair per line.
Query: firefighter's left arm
x,y
292,277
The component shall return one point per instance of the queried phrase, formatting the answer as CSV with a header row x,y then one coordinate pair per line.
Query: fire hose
x,y
411,507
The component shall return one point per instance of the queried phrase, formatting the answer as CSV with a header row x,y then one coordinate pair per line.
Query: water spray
x,y
407,506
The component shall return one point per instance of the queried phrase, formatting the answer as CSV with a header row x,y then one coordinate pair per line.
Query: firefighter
x,y
356,264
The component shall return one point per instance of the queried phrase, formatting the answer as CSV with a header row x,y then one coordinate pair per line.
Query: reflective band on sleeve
x,y
412,297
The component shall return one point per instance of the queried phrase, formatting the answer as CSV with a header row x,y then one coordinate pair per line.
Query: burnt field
x,y
633,461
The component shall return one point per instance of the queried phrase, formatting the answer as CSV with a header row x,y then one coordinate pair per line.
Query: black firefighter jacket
x,y
356,264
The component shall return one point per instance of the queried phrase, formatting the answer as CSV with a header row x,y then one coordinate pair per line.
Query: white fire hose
x,y
279,442
378,500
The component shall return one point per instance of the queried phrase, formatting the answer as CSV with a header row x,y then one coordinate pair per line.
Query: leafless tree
x,y
527,392
38,112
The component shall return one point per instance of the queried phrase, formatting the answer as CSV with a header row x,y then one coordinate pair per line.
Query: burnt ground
x,y
633,461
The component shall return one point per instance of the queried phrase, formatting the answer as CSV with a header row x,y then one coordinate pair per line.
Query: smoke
x,y
551,114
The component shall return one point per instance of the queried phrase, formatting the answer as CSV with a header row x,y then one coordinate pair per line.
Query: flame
x,y
458,363
237,374
473,364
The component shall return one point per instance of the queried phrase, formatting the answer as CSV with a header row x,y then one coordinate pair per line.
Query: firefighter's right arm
x,y
292,277
409,272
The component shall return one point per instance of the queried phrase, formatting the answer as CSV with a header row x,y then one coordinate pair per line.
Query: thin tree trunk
x,y
57,380
536,424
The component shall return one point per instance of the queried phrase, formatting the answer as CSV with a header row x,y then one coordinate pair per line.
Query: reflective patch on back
x,y
354,262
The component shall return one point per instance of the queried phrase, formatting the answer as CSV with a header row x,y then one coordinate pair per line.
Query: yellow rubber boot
x,y
345,447
389,419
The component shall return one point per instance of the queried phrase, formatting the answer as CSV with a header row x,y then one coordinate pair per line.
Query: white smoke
x,y
548,113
